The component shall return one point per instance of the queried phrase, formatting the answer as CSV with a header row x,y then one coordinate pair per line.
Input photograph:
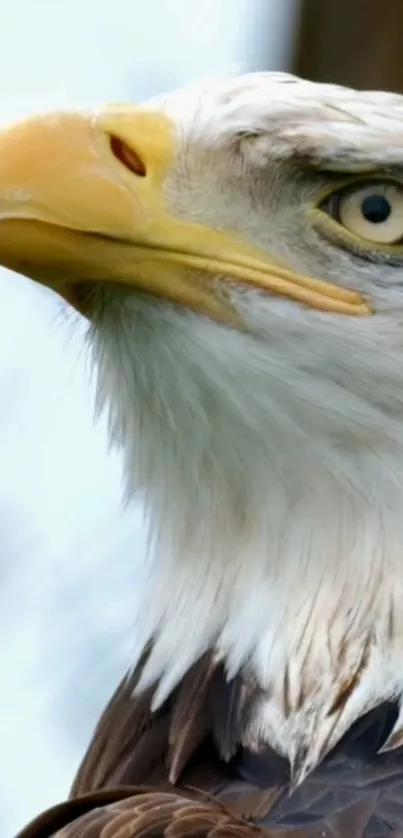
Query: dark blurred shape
x,y
357,43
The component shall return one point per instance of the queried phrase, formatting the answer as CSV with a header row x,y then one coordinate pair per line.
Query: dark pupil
x,y
376,208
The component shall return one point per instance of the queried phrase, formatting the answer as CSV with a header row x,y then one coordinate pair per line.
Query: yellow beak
x,y
82,199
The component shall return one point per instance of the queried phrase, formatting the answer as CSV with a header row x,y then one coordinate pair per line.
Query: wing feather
x,y
141,815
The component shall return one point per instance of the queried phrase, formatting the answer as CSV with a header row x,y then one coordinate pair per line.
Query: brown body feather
x,y
182,771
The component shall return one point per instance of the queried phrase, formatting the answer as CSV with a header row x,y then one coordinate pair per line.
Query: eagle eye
x,y
372,211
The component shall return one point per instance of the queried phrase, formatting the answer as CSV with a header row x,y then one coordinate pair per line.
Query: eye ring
x,y
371,211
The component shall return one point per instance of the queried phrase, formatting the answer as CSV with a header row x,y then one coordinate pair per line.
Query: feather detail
x,y
139,814
395,738
179,748
191,715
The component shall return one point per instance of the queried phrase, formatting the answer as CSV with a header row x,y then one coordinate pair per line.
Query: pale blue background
x,y
69,556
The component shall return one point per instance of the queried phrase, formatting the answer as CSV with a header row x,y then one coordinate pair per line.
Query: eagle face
x,y
238,250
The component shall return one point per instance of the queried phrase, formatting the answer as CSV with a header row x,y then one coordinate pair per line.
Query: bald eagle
x,y
237,248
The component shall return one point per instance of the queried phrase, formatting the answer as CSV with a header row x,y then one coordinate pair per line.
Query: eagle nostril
x,y
127,156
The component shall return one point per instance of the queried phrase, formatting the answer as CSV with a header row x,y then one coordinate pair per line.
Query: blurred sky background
x,y
70,555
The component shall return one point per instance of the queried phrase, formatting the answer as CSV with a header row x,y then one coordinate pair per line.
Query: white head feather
x,y
271,462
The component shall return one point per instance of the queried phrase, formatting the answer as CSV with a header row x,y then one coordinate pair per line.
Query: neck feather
x,y
273,497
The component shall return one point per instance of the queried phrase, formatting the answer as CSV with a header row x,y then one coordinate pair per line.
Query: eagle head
x,y
237,249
